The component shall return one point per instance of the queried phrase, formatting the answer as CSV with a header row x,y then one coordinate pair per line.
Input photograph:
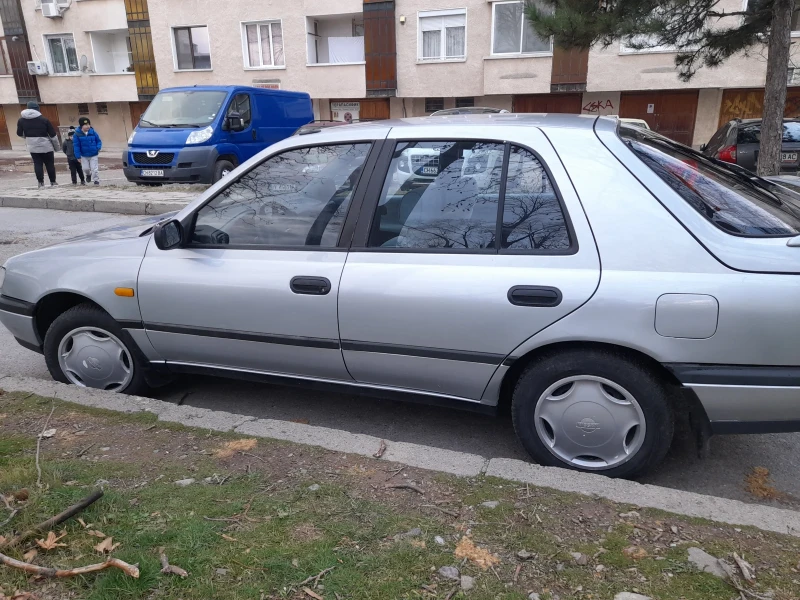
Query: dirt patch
x,y
758,484
306,532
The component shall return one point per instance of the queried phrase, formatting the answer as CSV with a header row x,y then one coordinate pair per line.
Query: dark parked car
x,y
738,142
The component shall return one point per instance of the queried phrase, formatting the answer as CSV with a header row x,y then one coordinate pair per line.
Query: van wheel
x,y
222,169
593,411
84,346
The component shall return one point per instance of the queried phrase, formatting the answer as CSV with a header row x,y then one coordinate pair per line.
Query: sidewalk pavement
x,y
135,201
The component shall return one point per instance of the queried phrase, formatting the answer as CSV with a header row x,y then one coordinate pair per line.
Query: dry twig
x,y
440,509
39,445
128,569
451,593
85,450
404,486
317,577
395,472
381,450
316,596
10,517
53,521
167,568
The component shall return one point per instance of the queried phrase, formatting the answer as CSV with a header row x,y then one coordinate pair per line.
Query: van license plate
x,y
430,170
160,172
788,156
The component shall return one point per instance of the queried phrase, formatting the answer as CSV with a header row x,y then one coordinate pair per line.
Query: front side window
x,y
512,33
183,109
442,34
241,104
731,199
62,54
264,44
192,48
296,199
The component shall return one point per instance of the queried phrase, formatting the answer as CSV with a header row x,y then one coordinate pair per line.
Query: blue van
x,y
200,134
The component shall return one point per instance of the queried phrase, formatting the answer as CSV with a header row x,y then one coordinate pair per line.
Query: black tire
x,y
89,315
220,168
649,390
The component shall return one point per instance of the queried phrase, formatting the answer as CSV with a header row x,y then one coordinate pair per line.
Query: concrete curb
x,y
463,464
113,205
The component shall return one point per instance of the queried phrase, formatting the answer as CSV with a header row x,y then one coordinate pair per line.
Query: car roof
x,y
546,120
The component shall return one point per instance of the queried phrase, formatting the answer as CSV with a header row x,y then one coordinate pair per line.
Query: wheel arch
x,y
54,304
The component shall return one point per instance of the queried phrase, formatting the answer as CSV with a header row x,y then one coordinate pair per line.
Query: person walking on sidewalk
x,y
87,146
41,140
75,169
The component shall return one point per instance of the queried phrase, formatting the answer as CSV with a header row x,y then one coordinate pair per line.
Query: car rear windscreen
x,y
734,200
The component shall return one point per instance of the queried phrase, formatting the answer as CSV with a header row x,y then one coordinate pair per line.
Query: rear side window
x,y
751,134
731,199
718,139
446,195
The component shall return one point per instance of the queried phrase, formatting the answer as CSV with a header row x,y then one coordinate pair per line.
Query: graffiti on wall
x,y
597,106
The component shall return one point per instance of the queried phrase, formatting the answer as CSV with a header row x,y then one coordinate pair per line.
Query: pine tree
x,y
703,34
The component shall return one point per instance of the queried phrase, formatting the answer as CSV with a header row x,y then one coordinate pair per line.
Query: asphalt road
x,y
722,474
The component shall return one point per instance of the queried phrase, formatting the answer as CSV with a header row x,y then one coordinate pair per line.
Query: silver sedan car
x,y
600,279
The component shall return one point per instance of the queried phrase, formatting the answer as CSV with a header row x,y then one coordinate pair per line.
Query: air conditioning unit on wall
x,y
37,67
51,9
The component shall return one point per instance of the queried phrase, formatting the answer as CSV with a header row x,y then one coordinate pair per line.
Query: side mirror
x,y
168,235
235,122
703,147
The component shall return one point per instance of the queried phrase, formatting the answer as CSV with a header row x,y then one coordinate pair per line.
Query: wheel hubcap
x,y
590,422
92,357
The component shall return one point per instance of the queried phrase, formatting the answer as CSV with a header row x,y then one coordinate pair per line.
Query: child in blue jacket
x,y
87,145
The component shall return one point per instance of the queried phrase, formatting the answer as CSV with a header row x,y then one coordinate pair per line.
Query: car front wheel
x,y
84,346
593,411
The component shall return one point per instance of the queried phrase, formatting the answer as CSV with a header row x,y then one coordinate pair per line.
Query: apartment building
x,y
359,59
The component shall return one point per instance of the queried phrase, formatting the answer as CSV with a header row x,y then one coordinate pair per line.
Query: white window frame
x,y
421,14
624,49
521,36
50,64
176,69
246,54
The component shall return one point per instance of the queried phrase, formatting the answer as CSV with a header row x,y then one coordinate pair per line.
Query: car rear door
x,y
429,299
255,286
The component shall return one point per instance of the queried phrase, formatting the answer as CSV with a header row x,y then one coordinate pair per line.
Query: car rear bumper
x,y
744,398
17,317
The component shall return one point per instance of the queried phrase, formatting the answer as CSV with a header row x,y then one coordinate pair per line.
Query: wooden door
x,y
569,66
749,104
380,53
137,110
548,103
372,109
5,138
671,114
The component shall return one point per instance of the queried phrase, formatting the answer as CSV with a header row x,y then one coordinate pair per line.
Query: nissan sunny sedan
x,y
599,278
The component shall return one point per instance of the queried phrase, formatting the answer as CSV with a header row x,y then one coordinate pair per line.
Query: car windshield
x,y
733,199
183,109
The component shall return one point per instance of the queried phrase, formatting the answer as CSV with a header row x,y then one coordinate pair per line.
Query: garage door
x,y
749,104
669,113
548,103
371,108
5,139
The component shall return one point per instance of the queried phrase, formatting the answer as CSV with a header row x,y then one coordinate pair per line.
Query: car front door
x,y
247,138
255,285
474,247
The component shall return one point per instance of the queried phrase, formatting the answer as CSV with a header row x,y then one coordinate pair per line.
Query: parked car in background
x,y
738,142
200,134
601,279
468,110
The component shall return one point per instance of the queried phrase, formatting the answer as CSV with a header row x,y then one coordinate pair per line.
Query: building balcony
x,y
335,39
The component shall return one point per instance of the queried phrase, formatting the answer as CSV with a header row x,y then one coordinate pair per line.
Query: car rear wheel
x,y
222,169
593,411
84,346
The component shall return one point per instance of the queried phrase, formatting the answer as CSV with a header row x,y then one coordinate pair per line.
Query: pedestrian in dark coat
x,y
42,142
75,168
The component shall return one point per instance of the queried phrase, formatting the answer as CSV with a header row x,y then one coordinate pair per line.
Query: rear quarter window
x,y
737,203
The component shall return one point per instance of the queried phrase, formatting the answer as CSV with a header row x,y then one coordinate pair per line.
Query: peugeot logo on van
x,y
152,153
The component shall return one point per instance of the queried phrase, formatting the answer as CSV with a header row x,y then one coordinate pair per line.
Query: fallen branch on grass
x,y
39,445
317,577
128,569
455,515
56,520
11,516
167,568
404,486
85,450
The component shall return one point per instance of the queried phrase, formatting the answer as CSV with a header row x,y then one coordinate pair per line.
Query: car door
x,y
473,247
247,139
254,288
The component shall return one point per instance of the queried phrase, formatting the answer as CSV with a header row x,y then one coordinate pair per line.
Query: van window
x,y
731,199
181,109
296,199
241,104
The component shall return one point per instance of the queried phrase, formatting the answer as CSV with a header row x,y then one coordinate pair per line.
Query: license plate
x,y
430,170
788,156
156,172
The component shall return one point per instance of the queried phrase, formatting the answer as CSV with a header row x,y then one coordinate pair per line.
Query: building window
x,y
192,48
263,44
101,107
465,102
112,51
83,108
434,104
442,34
63,57
513,34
